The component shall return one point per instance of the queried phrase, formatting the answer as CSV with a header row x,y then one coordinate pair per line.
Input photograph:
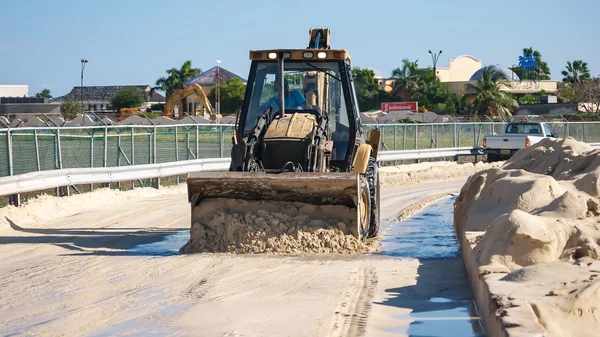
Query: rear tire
x,y
372,175
491,157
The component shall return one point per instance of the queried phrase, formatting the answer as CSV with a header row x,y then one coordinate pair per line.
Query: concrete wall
x,y
27,110
7,90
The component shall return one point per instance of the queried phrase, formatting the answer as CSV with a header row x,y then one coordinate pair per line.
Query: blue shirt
x,y
294,100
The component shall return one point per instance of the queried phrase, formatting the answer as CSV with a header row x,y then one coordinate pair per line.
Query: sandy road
x,y
67,269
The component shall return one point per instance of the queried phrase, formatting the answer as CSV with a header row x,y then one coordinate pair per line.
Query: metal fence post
x,y
395,131
63,191
13,199
92,155
105,159
132,146
585,132
220,141
432,141
37,150
58,149
155,181
454,136
119,151
404,138
197,147
176,145
10,152
154,159
105,156
416,136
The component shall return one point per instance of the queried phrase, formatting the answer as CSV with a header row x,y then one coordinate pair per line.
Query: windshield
x,y
528,128
313,86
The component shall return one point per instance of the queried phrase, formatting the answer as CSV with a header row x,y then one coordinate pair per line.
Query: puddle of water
x,y
452,318
428,234
169,246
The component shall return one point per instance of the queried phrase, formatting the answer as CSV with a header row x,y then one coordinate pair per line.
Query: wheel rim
x,y
364,216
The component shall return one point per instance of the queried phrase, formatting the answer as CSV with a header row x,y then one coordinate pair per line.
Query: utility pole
x,y
83,63
218,91
434,58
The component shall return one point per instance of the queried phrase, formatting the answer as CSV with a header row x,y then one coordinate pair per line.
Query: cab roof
x,y
300,54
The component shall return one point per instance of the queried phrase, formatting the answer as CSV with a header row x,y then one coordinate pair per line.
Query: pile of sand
x,y
540,209
394,176
241,226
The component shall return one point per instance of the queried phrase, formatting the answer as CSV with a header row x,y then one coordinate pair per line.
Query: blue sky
x,y
134,42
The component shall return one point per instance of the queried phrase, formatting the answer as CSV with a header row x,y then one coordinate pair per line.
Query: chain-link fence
x,y
440,135
25,150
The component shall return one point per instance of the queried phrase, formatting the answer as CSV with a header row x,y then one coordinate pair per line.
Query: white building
x,y
14,90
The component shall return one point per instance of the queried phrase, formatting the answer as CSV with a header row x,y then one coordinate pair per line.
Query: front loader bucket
x,y
312,188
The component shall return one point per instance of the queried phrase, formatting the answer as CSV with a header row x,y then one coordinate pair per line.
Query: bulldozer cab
x,y
316,82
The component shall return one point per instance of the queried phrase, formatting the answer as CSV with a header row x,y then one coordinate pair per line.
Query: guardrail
x,y
428,153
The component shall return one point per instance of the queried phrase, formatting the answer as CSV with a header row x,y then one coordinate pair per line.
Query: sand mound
x,y
541,208
394,176
240,226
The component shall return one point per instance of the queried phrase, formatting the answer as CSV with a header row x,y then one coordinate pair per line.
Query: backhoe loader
x,y
186,92
299,137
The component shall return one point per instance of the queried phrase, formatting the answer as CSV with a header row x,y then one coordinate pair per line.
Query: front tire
x,y
364,209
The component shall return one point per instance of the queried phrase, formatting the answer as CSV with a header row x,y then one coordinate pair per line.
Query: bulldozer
x,y
299,137
179,95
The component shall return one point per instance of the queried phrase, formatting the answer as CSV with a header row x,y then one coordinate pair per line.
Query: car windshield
x,y
524,128
309,86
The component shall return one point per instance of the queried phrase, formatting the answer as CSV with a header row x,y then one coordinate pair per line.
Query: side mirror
x,y
555,135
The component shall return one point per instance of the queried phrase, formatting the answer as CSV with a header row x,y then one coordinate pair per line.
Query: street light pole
x,y
83,63
434,58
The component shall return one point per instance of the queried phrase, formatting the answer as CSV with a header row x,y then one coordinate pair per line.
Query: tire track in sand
x,y
351,317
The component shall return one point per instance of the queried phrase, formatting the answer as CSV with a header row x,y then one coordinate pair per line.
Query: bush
x,y
129,97
69,109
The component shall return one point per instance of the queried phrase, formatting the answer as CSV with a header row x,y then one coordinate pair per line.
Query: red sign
x,y
399,106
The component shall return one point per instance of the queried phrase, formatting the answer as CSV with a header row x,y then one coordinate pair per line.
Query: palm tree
x,y
167,84
485,96
542,72
406,79
176,78
576,72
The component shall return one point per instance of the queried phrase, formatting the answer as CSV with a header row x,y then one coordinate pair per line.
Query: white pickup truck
x,y
517,135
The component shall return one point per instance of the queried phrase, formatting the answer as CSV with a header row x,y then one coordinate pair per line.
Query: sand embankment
x,y
530,235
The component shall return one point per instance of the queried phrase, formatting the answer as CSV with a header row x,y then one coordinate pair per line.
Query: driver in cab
x,y
293,99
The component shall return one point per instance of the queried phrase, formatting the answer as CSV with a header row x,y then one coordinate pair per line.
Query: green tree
x,y
176,78
44,94
486,98
576,71
69,109
232,96
542,71
128,97
432,94
365,85
406,79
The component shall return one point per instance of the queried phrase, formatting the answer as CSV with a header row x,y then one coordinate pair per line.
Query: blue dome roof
x,y
510,75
